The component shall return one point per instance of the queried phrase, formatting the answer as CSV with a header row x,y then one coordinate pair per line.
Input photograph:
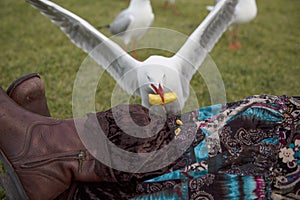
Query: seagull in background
x,y
245,11
132,23
172,5
157,74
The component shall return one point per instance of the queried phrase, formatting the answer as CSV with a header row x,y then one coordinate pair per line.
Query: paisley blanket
x,y
248,149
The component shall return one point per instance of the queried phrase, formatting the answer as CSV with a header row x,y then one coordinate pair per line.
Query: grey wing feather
x,y
121,23
217,1
103,50
192,54
216,24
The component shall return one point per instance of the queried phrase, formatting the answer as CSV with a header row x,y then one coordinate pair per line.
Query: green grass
x,y
267,63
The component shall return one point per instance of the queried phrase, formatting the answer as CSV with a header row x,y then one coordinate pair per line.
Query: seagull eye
x,y
164,77
148,77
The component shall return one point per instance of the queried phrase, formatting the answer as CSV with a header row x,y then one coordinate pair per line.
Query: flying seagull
x,y
132,23
245,11
157,74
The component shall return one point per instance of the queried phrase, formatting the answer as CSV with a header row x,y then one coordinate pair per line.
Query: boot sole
x,y
9,180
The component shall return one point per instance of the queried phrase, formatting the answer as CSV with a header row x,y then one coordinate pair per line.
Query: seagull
x,y
245,11
132,23
155,75
172,5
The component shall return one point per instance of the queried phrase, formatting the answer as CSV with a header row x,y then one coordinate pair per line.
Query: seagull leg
x,y
237,44
233,38
134,46
134,55
174,9
229,39
165,6
125,47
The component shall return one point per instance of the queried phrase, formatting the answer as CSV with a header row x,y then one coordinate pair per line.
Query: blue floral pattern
x,y
249,149
252,145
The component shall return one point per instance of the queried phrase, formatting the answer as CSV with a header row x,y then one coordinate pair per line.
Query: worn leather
x,y
43,151
29,92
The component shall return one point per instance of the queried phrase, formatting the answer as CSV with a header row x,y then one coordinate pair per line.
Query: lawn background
x,y
267,63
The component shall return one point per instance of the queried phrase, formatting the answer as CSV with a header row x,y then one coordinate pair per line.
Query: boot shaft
x,y
46,153
14,120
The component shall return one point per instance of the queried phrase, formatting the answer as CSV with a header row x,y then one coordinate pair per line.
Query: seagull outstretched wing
x,y
204,38
103,50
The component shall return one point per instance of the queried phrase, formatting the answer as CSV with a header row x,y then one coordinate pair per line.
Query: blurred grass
x,y
267,63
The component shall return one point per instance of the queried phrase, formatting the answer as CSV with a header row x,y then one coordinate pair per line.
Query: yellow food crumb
x,y
177,131
155,99
179,122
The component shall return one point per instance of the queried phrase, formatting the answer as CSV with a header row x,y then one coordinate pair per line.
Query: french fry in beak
x,y
155,99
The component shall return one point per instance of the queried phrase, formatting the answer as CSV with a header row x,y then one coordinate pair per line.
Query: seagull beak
x,y
159,90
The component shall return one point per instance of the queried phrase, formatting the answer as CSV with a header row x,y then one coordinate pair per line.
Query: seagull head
x,y
154,82
158,89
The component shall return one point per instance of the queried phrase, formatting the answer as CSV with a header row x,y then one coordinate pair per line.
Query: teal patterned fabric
x,y
251,150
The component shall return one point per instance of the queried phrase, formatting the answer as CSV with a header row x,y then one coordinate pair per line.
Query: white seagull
x,y
132,23
155,75
245,11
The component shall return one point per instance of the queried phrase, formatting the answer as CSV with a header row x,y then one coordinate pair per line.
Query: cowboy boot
x,y
29,92
41,155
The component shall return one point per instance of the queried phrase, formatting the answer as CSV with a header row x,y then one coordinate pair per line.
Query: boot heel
x,y
9,180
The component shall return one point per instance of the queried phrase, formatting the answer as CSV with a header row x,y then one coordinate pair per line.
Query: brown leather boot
x,y
41,155
29,92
